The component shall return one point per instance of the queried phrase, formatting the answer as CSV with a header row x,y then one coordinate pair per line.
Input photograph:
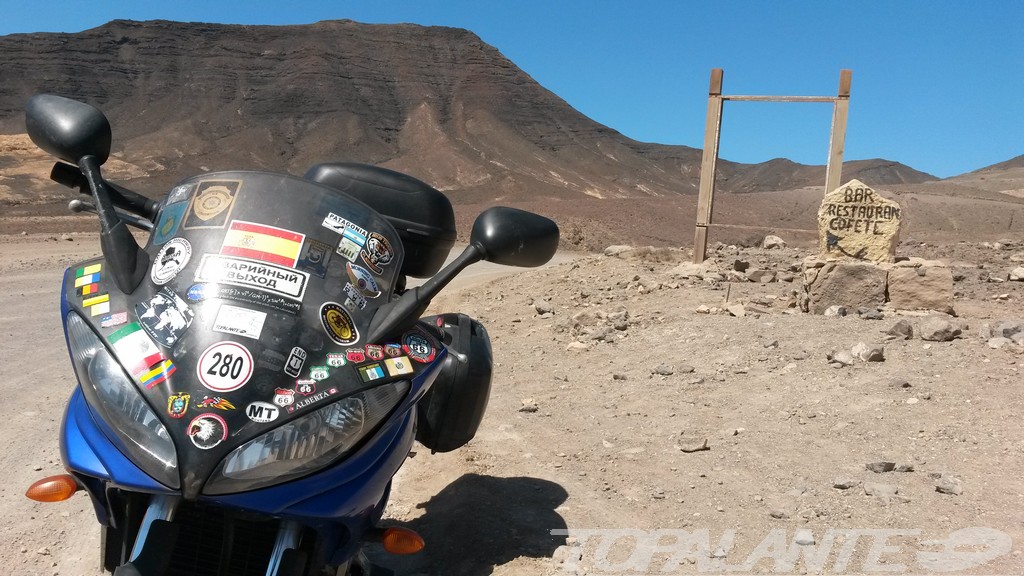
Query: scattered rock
x,y
1017,274
947,484
938,329
542,306
804,537
529,405
736,310
663,370
772,242
779,513
840,359
844,483
835,311
885,491
692,444
869,352
905,468
869,313
902,329
761,276
880,466
617,250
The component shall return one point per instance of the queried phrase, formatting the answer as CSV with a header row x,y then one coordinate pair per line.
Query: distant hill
x,y
435,102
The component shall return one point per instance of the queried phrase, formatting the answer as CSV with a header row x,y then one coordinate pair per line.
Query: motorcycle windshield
x,y
259,296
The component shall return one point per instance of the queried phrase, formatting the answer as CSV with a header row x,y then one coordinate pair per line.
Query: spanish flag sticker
x,y
261,242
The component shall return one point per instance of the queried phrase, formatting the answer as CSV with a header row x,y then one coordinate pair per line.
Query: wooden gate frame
x,y
713,134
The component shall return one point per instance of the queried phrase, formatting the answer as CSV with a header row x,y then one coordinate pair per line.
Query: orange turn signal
x,y
53,488
398,540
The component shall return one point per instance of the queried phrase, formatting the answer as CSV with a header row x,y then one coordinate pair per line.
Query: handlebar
x,y
72,177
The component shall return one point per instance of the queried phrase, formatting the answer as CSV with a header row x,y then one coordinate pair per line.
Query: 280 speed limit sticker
x,y
225,366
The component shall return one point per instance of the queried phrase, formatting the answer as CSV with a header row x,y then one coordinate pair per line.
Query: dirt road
x,y
730,442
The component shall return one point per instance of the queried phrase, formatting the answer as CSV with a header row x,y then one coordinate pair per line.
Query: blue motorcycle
x,y
252,378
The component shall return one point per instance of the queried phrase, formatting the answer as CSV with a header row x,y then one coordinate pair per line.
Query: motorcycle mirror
x,y
501,235
67,129
514,237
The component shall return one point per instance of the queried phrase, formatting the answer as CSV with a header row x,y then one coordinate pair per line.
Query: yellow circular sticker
x,y
338,324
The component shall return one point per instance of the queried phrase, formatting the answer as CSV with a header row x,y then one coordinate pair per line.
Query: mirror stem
x,y
396,316
128,262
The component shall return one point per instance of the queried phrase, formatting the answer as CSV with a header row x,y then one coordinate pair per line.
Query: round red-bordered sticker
x,y
225,366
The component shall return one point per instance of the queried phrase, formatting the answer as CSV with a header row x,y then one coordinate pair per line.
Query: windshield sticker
x,y
355,355
252,274
314,257
198,292
393,350
284,396
295,360
348,249
225,366
309,400
135,350
319,372
355,300
262,412
262,242
165,317
170,217
338,324
179,193
215,402
97,304
374,351
239,321
417,347
347,229
212,204
335,359
362,280
371,372
398,366
87,279
305,387
377,253
177,404
115,319
207,431
170,260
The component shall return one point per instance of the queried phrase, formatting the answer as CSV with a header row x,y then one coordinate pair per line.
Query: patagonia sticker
x,y
177,404
338,324
347,229
225,366
207,431
314,257
239,321
377,253
170,218
170,260
212,204
205,291
262,412
362,280
262,242
165,317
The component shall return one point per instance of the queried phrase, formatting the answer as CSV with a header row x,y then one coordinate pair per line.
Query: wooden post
x,y
837,143
709,160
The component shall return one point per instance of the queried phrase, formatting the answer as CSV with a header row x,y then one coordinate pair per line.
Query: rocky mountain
x,y
435,102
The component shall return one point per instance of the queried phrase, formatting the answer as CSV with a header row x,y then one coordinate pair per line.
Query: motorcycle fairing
x,y
165,331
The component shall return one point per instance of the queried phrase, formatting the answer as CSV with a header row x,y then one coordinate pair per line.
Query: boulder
x,y
771,242
922,288
854,221
938,329
850,284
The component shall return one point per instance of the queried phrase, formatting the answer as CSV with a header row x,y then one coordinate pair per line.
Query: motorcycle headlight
x,y
138,432
306,444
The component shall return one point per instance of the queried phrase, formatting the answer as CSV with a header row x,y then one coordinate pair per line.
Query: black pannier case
x,y
448,416
421,214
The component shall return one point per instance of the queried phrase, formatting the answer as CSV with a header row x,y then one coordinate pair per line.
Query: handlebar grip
x,y
72,177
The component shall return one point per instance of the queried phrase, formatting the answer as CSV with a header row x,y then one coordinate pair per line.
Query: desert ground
x,y
617,405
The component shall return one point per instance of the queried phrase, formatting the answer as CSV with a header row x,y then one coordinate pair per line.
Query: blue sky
x,y
937,85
